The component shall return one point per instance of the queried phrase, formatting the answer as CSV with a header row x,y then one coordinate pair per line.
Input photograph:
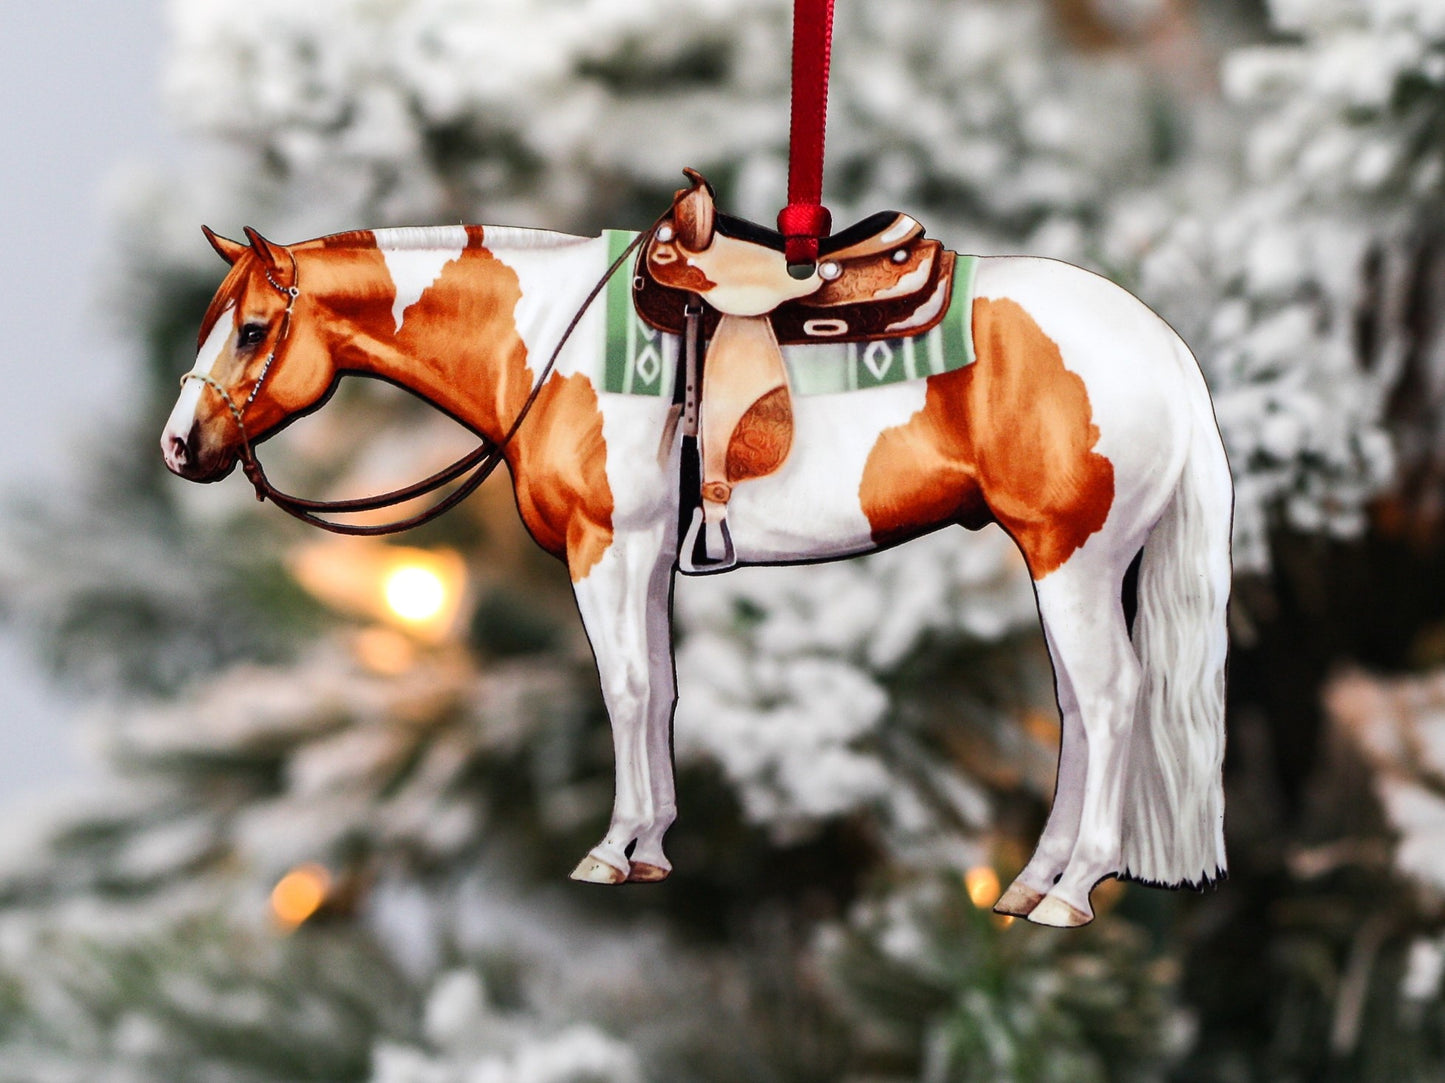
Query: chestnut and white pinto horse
x,y
1083,428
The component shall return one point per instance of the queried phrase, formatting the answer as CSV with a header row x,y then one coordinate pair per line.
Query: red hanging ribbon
x,y
804,220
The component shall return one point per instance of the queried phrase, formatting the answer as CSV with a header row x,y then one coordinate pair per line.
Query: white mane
x,y
418,238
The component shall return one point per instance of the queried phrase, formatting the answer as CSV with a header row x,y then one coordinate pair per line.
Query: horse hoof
x,y
643,873
1053,911
1019,901
591,870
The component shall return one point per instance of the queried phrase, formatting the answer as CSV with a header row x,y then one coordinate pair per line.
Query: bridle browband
x,y
478,463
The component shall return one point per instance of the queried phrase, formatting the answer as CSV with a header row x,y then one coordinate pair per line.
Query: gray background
x,y
80,99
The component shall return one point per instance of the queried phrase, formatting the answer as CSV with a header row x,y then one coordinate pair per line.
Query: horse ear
x,y
693,213
227,249
273,257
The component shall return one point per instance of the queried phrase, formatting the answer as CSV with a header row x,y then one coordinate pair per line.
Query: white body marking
x,y
554,275
414,270
811,507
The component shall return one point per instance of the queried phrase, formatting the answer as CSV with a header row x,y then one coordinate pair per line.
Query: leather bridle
x,y
474,467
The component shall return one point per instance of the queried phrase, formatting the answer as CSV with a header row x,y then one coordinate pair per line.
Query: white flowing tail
x,y
1173,830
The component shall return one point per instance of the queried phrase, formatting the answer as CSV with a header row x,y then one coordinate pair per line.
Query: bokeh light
x,y
982,885
415,593
299,894
384,650
422,592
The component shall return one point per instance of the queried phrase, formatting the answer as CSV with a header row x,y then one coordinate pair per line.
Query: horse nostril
x,y
178,451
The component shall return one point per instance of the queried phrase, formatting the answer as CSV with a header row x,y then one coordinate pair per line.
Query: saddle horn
x,y
693,213
274,257
227,249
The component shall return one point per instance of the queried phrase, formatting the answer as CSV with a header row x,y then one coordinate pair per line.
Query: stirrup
x,y
718,552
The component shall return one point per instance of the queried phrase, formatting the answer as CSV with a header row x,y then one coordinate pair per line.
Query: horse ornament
x,y
723,408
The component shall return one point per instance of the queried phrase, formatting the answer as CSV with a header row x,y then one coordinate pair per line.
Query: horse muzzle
x,y
186,456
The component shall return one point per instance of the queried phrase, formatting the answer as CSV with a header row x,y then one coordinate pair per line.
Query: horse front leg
x,y
625,602
649,863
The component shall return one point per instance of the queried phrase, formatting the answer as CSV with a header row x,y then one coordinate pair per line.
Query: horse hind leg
x,y
1056,843
1081,607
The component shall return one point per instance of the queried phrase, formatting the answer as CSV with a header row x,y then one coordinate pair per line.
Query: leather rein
x,y
474,467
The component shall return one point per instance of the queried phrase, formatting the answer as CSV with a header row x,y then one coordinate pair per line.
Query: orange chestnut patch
x,y
1035,437
560,473
1010,437
921,474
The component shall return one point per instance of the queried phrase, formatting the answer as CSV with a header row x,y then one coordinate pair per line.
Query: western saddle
x,y
724,281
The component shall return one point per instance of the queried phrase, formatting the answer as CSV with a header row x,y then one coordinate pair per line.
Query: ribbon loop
x,y
805,220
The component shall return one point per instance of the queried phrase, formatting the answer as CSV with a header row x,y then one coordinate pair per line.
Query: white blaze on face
x,y
183,416
414,270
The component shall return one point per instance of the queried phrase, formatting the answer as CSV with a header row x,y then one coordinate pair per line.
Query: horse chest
x,y
560,474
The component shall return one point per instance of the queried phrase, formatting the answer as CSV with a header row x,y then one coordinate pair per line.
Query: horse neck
x,y
466,324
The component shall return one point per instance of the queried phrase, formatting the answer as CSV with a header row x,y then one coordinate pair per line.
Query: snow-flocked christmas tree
x,y
337,835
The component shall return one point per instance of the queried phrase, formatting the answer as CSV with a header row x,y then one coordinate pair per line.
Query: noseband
x,y
478,463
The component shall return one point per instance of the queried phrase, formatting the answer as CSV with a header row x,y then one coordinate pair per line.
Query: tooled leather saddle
x,y
723,281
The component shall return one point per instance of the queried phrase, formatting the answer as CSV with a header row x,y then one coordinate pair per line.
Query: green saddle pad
x,y
637,360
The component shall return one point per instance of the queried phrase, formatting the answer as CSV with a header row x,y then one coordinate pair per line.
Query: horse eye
x,y
251,334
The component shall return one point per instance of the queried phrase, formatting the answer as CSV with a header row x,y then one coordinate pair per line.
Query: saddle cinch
x,y
878,279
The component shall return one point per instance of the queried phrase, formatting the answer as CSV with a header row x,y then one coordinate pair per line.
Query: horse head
x,y
259,362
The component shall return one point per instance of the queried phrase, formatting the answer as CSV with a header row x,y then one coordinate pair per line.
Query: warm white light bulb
x,y
299,894
982,885
415,594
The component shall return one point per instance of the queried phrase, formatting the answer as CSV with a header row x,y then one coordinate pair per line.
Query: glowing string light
x,y
415,593
982,885
299,894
